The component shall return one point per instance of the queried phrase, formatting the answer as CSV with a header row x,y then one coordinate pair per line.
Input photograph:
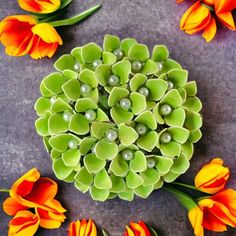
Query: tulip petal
x,y
11,206
227,19
210,30
195,216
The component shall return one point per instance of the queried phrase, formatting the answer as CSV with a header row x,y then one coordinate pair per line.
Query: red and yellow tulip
x,y
82,228
137,229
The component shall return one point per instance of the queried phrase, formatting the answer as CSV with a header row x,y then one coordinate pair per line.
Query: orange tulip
x,y
82,228
22,35
24,223
212,177
137,229
40,6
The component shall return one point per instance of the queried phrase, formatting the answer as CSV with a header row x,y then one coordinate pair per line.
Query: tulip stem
x,y
187,186
76,18
4,190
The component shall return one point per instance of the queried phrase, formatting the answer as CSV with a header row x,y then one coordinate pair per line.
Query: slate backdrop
x,y
152,22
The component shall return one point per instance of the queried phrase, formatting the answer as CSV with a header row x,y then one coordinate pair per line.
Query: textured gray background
x,y
212,65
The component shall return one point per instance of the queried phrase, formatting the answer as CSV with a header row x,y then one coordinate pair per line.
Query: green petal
x,y
70,177
195,136
139,162
41,125
148,141
163,164
150,67
76,53
84,104
91,52
102,73
56,124
99,194
192,104
133,180
108,58
60,169
170,177
79,124
65,62
179,134
171,149
137,81
168,65
54,82
88,77
111,43
172,98
158,185
82,188
72,89
106,150
122,69
157,114
193,121
157,88
111,196
44,91
176,118
147,118
84,177
160,53
139,52
182,93
98,129
138,103
191,88
126,44
178,76
150,177
71,157
42,105
120,116
180,166
143,191
127,196
93,164
101,115
102,180
93,95
119,166
116,94
188,149
86,145
118,184
55,154
60,105
125,139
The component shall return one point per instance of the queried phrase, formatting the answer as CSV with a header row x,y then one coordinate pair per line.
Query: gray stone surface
x,y
212,65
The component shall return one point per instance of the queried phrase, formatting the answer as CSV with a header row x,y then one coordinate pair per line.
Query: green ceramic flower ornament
x,y
118,121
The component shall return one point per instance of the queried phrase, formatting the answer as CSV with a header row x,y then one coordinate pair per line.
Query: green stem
x,y
207,6
76,18
52,17
187,186
4,190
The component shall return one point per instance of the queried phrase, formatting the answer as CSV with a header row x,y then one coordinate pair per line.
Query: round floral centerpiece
x,y
118,121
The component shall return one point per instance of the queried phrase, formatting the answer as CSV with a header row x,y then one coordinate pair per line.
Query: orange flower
x,y
212,177
22,35
137,229
197,18
82,228
40,6
23,223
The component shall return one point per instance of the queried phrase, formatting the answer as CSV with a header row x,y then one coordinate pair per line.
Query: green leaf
x,y
118,184
119,166
102,73
98,128
171,149
91,52
139,52
191,88
79,124
193,121
149,68
178,76
108,58
160,53
147,118
102,180
106,150
84,104
72,89
56,124
125,139
195,136
41,125
84,177
148,141
88,77
86,145
65,3
172,98
138,103
192,104
64,62
150,177
60,169
60,106
137,81
133,180
143,191
42,105
99,194
139,162
157,88
181,164
126,44
71,157
111,43
93,164
179,134
122,69
163,164
176,118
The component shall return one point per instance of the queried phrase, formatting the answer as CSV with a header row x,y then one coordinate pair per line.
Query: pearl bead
x,y
73,144
113,80
111,135
141,129
90,115
127,154
67,115
125,104
119,54
137,66
85,89
151,162
77,66
96,63
170,85
53,99
144,91
159,65
165,109
165,137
